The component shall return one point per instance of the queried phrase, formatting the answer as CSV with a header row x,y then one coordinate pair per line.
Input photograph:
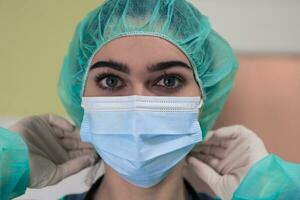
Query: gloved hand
x,y
55,149
225,157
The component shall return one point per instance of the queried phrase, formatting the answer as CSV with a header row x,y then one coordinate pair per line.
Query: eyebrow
x,y
111,64
152,68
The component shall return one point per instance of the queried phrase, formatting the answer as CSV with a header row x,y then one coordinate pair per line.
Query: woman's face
x,y
140,65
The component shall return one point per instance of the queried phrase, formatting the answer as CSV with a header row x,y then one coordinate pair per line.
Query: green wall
x,y
34,37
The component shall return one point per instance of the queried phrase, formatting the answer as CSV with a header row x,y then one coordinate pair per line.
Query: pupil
x,y
111,81
169,82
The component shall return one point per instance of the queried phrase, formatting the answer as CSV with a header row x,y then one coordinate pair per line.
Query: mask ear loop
x,y
200,106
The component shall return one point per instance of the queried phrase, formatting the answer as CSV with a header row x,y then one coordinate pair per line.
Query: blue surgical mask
x,y
141,137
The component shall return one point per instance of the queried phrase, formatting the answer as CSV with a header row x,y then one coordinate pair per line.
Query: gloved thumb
x,y
204,171
59,122
71,167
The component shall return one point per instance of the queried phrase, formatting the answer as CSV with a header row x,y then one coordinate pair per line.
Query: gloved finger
x,y
222,152
66,134
208,159
235,159
233,137
235,131
58,132
209,134
60,122
228,131
205,172
247,151
220,138
214,155
73,144
75,165
81,152
216,151
235,149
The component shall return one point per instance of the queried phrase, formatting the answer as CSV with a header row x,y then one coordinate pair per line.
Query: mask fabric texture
x,y
141,137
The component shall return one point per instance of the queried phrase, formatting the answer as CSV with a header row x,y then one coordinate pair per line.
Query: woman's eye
x,y
108,81
170,81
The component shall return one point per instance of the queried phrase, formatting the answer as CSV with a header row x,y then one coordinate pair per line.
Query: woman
x,y
149,49
145,81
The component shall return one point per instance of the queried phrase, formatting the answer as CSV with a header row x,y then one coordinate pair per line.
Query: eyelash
x,y
101,76
179,77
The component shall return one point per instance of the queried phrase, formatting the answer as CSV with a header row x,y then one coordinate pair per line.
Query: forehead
x,y
140,50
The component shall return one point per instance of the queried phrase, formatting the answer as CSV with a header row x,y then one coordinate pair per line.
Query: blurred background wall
x,y
256,26
35,34
34,38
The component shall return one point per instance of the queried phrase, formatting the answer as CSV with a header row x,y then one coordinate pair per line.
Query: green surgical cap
x,y
176,21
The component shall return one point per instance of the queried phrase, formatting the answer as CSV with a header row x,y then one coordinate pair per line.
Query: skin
x,y
139,53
